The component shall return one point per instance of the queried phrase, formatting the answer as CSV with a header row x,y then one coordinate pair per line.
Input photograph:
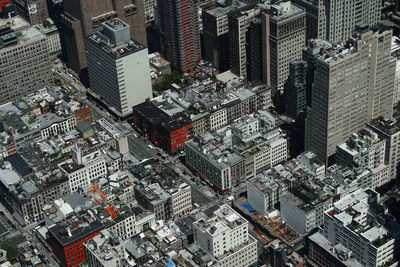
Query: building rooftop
x,y
338,251
386,126
68,218
155,193
222,219
16,23
19,164
158,117
9,177
107,247
48,27
46,120
285,9
157,60
265,183
223,11
115,51
359,213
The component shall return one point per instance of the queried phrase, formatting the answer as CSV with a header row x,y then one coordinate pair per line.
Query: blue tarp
x,y
247,207
170,263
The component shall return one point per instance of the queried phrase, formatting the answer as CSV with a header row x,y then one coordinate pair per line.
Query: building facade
x,y
296,89
180,36
216,35
335,20
33,11
20,53
119,69
83,168
287,37
390,132
335,112
238,23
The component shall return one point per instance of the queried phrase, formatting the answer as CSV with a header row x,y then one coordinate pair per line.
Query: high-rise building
x,y
316,17
25,62
180,36
287,38
33,11
225,237
216,35
254,50
315,48
335,20
295,88
239,22
82,18
149,10
119,68
353,83
396,55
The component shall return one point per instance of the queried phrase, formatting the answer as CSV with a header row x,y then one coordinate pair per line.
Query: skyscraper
x,y
335,20
25,61
180,37
216,35
316,17
239,22
295,88
353,83
33,11
315,48
254,48
287,39
82,18
119,68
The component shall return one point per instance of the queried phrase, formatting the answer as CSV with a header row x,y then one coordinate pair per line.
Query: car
x,y
159,154
163,158
203,183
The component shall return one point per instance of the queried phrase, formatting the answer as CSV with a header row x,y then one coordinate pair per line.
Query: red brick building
x,y
84,115
11,149
168,132
3,2
67,244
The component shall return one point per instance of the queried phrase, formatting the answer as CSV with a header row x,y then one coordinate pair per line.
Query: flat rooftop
x,y
221,220
388,127
334,250
16,23
284,10
70,167
116,24
114,51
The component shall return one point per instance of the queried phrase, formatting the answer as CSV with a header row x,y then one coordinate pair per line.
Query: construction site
x,y
272,226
